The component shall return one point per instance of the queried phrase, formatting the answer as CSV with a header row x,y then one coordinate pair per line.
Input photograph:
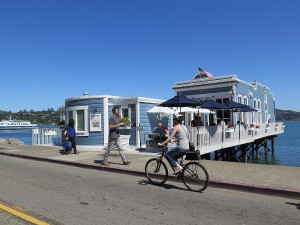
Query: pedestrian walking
x,y
70,135
114,138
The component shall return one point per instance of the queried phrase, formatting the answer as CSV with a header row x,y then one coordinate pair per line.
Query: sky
x,y
51,50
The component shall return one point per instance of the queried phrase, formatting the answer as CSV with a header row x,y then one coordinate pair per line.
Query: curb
x,y
256,189
266,190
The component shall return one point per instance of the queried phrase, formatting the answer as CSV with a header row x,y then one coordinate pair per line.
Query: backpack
x,y
69,131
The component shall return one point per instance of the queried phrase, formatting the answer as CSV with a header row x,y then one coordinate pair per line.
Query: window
x,y
239,99
266,106
245,101
80,115
224,115
125,112
266,101
258,105
80,120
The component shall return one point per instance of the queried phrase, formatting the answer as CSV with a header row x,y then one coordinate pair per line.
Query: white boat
x,y
16,124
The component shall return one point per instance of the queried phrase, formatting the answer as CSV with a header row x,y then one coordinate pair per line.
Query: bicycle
x,y
194,175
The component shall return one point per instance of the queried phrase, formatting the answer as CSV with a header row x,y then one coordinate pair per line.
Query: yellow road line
x,y
22,215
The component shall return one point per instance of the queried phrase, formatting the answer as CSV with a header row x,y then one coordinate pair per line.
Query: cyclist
x,y
180,133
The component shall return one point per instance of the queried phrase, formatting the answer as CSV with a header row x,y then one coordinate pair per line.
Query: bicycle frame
x,y
194,175
164,155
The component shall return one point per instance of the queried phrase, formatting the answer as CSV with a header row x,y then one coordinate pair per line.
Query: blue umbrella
x,y
179,101
234,105
245,109
211,104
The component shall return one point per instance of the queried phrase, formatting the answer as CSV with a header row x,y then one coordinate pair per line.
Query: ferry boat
x,y
12,124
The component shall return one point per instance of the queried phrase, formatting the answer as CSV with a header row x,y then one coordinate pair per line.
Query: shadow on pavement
x,y
295,204
150,150
62,152
165,186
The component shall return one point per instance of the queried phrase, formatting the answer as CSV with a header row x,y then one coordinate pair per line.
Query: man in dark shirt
x,y
114,139
161,131
197,121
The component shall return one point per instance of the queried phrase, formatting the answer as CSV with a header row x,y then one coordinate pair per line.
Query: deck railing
x,y
212,138
47,136
207,139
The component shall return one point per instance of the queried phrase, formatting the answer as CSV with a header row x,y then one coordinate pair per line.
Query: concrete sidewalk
x,y
256,178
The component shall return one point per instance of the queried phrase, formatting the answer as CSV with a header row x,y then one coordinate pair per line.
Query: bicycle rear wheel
x,y
195,176
156,171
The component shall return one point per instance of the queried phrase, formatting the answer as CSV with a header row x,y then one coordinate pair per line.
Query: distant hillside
x,y
47,117
50,116
287,115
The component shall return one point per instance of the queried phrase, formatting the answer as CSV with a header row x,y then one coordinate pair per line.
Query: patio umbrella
x,y
245,108
194,110
179,101
211,104
234,105
160,109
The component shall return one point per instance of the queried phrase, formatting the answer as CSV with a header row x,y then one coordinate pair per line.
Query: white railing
x,y
47,136
207,139
212,138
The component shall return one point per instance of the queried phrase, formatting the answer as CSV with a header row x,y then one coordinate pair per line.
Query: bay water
x,y
287,145
24,135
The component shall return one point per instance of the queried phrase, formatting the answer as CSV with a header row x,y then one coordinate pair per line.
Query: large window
x,y
124,112
245,115
257,106
80,115
80,120
266,107
223,115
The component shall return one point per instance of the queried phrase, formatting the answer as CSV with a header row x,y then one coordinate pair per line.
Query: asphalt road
x,y
71,195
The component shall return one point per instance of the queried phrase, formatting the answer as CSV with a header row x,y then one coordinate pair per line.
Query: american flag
x,y
207,74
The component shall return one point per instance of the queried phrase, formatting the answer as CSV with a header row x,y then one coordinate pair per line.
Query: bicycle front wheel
x,y
156,171
195,176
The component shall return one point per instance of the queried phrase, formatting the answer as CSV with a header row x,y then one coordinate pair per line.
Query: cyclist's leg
x,y
170,155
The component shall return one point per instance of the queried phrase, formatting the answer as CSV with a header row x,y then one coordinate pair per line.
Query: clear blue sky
x,y
51,50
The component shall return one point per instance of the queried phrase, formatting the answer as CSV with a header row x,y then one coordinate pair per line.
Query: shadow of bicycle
x,y
294,204
165,186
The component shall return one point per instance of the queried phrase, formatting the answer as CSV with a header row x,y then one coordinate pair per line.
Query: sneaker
x,y
177,170
104,163
126,162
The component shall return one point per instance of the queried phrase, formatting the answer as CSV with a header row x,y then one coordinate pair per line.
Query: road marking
x,y
22,215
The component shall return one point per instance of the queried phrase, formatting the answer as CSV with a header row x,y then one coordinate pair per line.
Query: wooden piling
x,y
257,150
272,146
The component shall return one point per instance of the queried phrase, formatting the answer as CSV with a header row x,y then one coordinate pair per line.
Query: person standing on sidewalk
x,y
114,138
69,135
